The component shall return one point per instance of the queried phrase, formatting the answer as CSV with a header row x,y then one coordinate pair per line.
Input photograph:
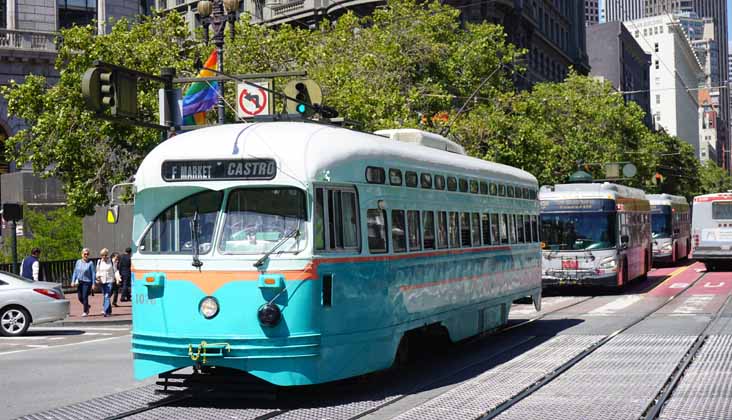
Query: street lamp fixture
x,y
215,14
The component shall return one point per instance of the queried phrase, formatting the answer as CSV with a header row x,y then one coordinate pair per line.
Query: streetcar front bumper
x,y
578,278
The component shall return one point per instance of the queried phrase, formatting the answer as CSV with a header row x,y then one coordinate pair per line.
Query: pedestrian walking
x,y
31,267
125,271
117,284
83,279
105,278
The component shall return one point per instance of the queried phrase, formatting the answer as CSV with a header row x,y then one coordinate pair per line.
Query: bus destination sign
x,y
218,170
577,205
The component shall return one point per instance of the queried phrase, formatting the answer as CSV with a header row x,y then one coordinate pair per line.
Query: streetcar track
x,y
582,355
656,405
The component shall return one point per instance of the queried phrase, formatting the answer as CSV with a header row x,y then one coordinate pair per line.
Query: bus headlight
x,y
666,247
609,263
269,314
209,307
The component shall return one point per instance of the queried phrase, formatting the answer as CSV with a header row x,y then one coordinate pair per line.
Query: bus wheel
x,y
710,266
624,275
674,254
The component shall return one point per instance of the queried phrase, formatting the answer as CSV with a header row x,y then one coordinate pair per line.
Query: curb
x,y
113,322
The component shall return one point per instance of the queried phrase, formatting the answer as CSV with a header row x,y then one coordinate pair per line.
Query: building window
x,y
656,65
658,99
655,47
75,12
3,13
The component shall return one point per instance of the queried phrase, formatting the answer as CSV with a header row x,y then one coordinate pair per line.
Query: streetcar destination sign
x,y
218,170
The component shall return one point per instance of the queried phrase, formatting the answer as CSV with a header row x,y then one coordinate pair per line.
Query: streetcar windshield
x,y
661,225
170,232
257,219
578,231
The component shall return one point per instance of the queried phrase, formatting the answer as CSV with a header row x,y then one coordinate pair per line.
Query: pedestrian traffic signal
x,y
307,95
110,88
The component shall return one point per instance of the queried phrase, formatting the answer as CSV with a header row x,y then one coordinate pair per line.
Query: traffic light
x,y
109,88
307,94
658,178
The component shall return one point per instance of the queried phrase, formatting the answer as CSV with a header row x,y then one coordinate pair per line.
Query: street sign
x,y
253,100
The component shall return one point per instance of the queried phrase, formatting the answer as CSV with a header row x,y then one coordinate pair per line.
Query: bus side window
x,y
414,231
453,230
475,224
428,221
376,226
319,220
485,219
465,229
441,229
398,231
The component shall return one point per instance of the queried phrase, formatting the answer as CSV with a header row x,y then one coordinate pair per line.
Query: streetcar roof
x,y
666,200
306,151
605,190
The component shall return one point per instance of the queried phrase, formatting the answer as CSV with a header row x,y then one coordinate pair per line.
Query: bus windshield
x,y
258,218
578,231
661,225
722,210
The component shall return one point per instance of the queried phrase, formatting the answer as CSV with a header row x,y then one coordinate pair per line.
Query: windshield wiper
x,y
293,234
194,240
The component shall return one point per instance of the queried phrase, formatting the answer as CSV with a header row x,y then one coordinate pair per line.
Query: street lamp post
x,y
216,14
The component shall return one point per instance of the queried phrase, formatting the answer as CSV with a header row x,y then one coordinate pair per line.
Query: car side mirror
x,y
624,239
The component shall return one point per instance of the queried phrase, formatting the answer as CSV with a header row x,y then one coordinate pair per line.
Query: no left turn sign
x,y
252,100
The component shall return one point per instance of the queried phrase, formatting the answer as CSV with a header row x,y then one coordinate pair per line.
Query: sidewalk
x,y
121,315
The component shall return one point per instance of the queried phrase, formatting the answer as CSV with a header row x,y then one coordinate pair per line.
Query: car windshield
x,y
257,219
170,232
661,225
578,231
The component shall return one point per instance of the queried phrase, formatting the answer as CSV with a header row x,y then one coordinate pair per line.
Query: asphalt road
x,y
52,367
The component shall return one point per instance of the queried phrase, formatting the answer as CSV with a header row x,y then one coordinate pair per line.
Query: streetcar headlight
x,y
269,314
609,263
209,307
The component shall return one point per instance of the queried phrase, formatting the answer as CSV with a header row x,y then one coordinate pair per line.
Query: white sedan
x,y
24,302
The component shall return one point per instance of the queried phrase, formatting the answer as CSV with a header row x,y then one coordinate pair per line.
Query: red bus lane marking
x,y
704,297
679,280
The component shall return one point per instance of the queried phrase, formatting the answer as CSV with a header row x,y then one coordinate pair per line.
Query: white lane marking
x,y
694,304
66,345
59,338
545,303
37,345
615,306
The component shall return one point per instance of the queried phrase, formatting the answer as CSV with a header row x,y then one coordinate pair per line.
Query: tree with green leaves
x,y
58,233
713,179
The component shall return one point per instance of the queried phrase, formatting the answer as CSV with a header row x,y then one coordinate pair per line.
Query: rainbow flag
x,y
201,96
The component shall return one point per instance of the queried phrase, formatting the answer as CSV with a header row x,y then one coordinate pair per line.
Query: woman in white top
x,y
105,277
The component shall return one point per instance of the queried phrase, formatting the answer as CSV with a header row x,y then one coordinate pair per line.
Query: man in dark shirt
x,y
125,267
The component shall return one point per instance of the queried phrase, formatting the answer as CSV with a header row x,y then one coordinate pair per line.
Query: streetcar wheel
x,y
14,321
402,355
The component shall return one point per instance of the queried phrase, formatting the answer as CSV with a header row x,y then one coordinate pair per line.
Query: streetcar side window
x,y
475,223
474,187
495,231
493,189
509,192
395,177
439,182
442,229
376,226
512,228
519,228
428,221
414,231
425,180
398,231
465,229
411,178
501,190
463,185
535,228
483,187
453,230
451,183
336,219
527,229
375,175
503,228
486,223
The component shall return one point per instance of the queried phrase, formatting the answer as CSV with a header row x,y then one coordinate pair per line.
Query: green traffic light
x,y
301,108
